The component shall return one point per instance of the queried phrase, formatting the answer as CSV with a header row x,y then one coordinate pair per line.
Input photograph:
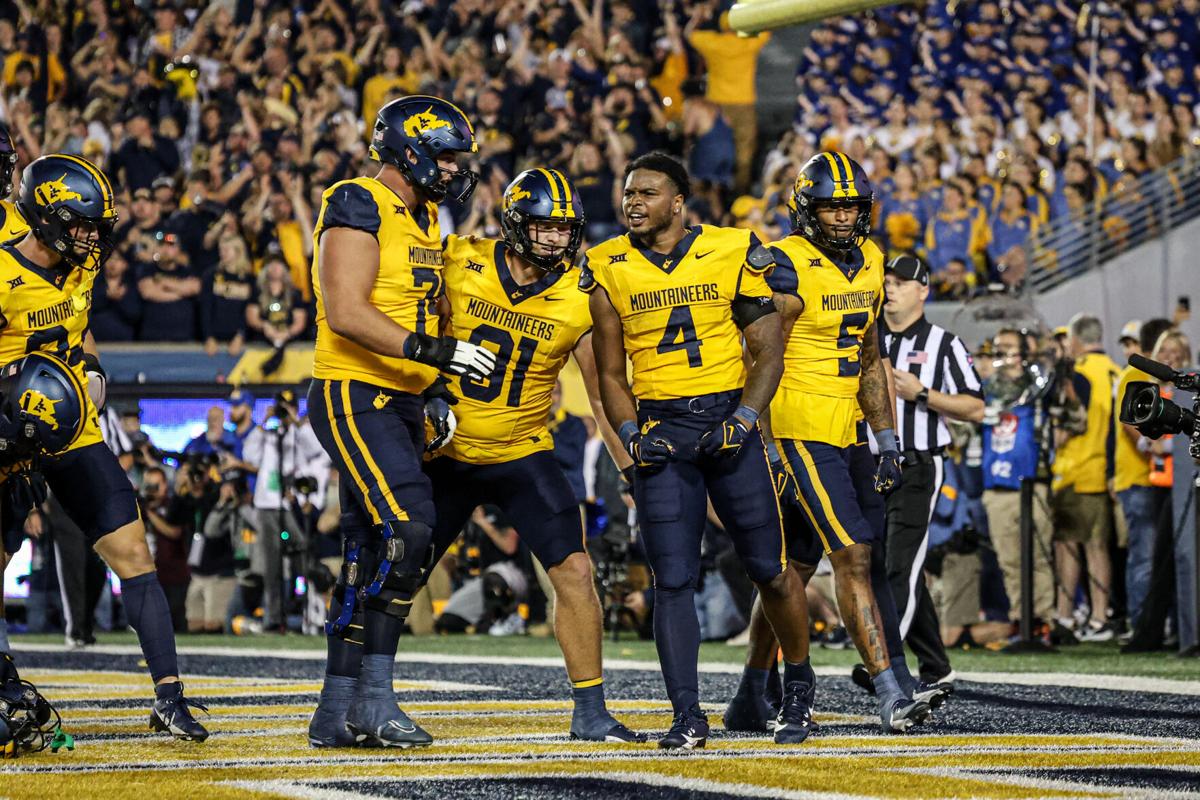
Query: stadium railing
x,y
1129,216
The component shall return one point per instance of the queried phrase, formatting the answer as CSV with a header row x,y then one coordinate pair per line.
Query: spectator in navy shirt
x,y
145,155
170,290
228,289
116,304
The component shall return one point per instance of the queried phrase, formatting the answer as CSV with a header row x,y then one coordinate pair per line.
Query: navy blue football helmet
x,y
426,127
542,195
42,406
28,722
8,161
63,196
831,179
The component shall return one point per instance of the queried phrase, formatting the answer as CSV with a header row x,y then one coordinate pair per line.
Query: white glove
x,y
97,388
471,360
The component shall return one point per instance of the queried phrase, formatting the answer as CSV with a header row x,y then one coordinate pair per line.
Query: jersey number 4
x,y
680,334
487,390
850,338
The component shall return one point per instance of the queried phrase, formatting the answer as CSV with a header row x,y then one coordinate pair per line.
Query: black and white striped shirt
x,y
941,362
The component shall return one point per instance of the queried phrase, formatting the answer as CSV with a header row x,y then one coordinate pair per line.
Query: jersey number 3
x,y
680,334
850,338
56,341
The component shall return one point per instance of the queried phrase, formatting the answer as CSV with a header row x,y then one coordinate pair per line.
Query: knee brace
x,y
405,557
345,617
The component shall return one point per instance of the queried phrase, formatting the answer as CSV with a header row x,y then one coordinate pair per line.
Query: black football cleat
x,y
689,731
172,713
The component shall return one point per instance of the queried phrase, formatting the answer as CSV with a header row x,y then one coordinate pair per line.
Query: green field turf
x,y
1102,659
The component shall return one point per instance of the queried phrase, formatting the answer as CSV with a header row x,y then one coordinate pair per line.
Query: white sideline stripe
x,y
1068,788
1074,680
316,790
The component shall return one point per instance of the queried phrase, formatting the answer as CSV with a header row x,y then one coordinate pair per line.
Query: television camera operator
x,y
292,469
212,552
1026,401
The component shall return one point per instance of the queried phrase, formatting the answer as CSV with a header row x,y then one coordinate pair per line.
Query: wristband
x,y
922,397
627,431
886,439
747,415
419,347
91,363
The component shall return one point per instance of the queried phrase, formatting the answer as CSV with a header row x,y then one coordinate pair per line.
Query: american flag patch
x,y
919,357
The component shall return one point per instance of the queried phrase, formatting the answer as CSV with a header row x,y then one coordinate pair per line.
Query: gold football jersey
x,y
47,310
532,329
406,288
676,310
13,226
817,396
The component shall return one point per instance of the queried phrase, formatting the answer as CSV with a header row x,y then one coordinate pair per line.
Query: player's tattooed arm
x,y
764,339
790,307
873,395
608,345
585,357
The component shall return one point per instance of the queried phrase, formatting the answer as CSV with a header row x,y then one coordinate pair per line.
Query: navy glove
x,y
438,399
887,474
646,449
786,488
725,440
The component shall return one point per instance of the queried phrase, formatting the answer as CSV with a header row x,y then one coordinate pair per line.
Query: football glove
x,y
725,440
887,473
450,355
97,380
646,450
438,399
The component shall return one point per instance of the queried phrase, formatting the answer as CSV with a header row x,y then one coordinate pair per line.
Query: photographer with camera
x,y
1141,496
289,462
495,580
1012,453
166,518
1151,409
1082,507
212,554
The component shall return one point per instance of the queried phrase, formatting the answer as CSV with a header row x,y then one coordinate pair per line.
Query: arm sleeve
x,y
350,206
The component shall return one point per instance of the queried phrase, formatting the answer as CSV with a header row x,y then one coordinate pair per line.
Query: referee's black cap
x,y
910,268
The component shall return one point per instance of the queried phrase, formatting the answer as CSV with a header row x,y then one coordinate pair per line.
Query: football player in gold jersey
x,y
521,295
12,224
679,301
828,284
45,297
377,275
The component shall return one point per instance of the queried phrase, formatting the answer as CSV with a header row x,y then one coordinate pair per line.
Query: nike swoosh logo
x,y
692,740
402,728
702,255
551,299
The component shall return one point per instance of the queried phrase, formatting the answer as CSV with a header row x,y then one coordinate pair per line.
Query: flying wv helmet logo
x,y
39,405
56,191
517,195
423,122
803,182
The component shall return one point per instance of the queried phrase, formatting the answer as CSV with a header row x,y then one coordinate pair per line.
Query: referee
x,y
934,380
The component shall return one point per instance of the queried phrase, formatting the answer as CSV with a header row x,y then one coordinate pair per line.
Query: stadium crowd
x,y
222,124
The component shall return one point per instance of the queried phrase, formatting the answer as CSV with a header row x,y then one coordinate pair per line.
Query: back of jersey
x,y
406,288
817,397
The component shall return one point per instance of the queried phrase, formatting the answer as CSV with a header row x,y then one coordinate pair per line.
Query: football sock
x,y
677,639
337,694
754,682
886,688
343,658
774,693
802,672
4,645
588,694
382,634
903,677
148,613
375,679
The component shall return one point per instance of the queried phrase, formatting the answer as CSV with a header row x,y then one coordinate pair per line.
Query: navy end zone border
x,y
500,731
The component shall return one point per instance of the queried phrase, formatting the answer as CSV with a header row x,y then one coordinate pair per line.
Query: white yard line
x,y
1075,680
